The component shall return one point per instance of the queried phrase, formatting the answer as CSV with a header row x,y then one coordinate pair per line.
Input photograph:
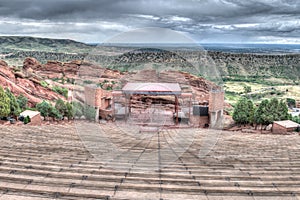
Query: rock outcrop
x,y
52,69
30,87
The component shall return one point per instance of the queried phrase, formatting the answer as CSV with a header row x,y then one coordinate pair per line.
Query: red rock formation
x,y
53,69
31,63
29,87
5,71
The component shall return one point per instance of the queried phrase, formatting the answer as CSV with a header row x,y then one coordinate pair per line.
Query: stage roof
x,y
152,88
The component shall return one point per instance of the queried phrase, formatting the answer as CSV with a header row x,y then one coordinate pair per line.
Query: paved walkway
x,y
52,162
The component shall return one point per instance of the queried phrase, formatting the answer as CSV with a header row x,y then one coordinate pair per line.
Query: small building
x,y
35,117
282,127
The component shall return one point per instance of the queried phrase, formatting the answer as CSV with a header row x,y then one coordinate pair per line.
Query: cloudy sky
x,y
228,21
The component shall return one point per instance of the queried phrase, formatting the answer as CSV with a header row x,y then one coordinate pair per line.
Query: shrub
x,y
61,107
44,84
27,120
22,101
70,111
44,108
54,113
87,82
89,112
60,90
78,109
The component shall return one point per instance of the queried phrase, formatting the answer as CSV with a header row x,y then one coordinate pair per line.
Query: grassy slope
x,y
17,43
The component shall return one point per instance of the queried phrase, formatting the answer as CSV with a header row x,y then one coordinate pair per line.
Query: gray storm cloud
x,y
204,20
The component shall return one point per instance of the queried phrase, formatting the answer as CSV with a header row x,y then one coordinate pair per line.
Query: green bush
x,y
78,109
44,84
70,111
22,101
61,107
89,112
47,110
27,120
88,82
60,90
55,114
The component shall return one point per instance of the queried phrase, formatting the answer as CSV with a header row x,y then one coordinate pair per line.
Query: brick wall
x,y
216,100
89,94
199,121
97,97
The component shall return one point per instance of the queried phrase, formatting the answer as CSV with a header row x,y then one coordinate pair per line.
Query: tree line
x,y
268,111
11,107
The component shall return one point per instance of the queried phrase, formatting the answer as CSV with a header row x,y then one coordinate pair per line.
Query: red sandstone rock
x,y
5,71
30,88
31,63
3,63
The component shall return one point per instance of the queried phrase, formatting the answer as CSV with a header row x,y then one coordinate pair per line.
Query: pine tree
x,y
14,106
4,103
70,111
243,111
283,110
61,107
260,113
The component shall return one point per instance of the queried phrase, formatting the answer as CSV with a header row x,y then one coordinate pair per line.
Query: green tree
x,y
4,103
273,111
283,110
61,107
22,101
44,108
260,113
61,90
247,89
270,111
243,111
55,114
14,106
70,111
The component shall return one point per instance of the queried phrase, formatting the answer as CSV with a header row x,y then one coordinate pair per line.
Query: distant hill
x,y
230,60
19,43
